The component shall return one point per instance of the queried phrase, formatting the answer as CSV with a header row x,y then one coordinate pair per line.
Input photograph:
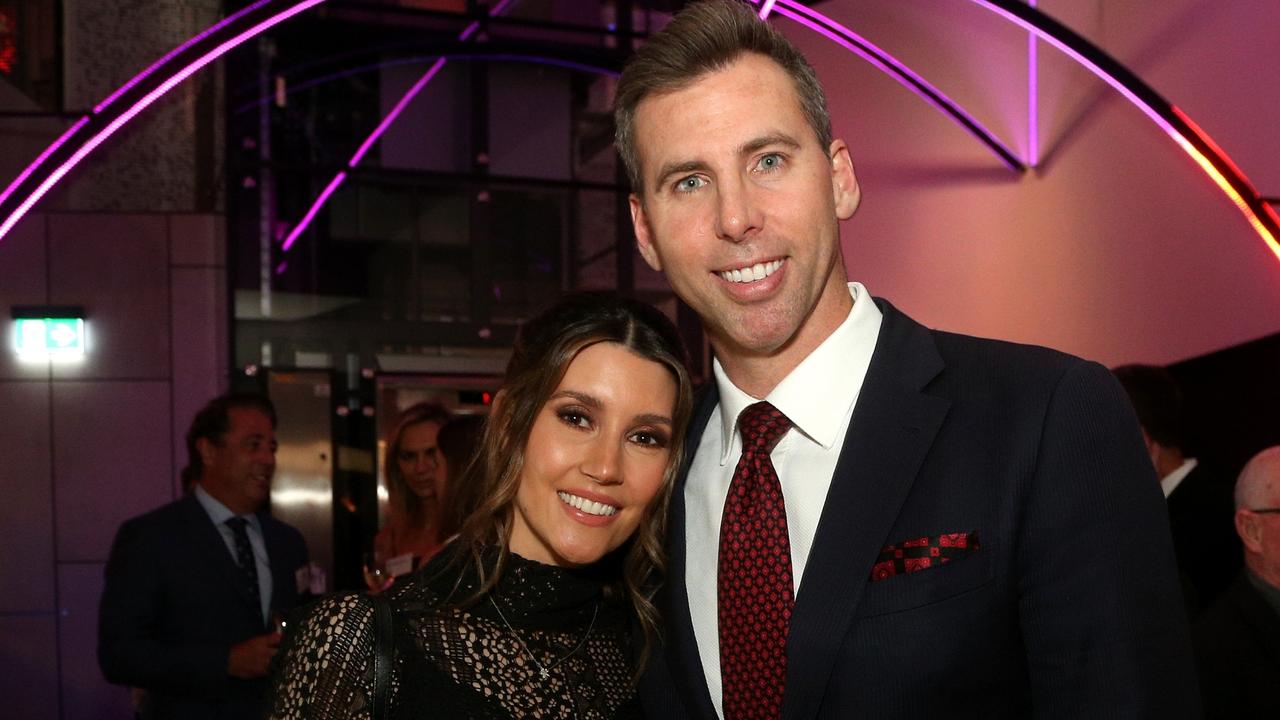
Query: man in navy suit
x,y
971,526
191,587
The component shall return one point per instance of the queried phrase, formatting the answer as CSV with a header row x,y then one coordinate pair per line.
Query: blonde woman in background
x,y
416,488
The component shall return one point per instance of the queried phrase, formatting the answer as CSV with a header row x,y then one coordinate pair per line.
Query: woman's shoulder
x,y
322,666
339,619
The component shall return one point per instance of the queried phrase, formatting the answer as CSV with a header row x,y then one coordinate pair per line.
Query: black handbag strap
x,y
383,646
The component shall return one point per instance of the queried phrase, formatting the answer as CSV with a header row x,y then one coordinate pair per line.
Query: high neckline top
x,y
462,660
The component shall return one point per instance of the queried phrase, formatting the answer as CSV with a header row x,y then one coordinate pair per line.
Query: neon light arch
x,y
1189,137
90,131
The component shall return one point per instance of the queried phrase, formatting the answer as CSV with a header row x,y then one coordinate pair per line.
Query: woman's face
x,y
419,459
595,458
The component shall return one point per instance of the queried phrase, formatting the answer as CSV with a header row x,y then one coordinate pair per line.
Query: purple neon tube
x,y
144,102
855,43
378,132
42,157
174,52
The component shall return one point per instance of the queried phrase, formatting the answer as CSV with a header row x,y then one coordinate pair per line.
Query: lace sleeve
x,y
325,668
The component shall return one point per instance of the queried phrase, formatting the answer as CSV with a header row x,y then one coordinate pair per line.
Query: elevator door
x,y
302,493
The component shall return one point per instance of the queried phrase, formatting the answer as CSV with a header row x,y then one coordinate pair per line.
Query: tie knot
x,y
237,524
762,425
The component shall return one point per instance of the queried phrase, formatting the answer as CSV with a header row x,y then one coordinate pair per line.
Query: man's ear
x,y
644,239
205,447
1249,530
844,182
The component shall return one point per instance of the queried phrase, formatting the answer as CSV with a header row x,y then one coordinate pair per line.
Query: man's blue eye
x,y
693,182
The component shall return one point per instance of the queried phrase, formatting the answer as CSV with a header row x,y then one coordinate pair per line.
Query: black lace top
x,y
466,663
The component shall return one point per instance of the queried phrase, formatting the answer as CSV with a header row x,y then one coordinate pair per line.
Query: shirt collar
x,y
218,512
1170,482
817,394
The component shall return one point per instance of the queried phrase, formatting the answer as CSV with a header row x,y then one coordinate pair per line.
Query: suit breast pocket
x,y
926,587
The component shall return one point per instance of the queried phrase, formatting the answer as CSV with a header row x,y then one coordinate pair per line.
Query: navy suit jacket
x,y
1071,606
175,602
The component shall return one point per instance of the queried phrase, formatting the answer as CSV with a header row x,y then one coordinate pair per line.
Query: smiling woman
x,y
528,612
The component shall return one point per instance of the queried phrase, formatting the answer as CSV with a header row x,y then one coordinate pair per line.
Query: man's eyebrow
x,y
757,144
688,166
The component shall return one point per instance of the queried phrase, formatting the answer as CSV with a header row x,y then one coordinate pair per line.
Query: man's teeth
x,y
589,507
759,271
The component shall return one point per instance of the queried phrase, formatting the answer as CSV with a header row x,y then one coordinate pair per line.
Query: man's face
x,y
238,470
1260,533
741,207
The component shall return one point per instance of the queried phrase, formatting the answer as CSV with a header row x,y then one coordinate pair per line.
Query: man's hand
x,y
250,659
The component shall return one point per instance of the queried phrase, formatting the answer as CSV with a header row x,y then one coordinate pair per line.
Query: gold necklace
x,y
544,671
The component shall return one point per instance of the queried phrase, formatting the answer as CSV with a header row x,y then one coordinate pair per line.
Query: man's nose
x,y
737,216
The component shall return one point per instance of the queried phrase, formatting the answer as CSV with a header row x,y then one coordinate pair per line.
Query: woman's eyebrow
x,y
588,400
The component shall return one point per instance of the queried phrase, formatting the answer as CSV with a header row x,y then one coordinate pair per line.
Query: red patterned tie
x,y
755,596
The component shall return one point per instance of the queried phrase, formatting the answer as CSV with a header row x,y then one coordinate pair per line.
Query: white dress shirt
x,y
220,514
818,396
1170,482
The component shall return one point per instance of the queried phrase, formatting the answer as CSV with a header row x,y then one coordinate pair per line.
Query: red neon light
x,y
8,43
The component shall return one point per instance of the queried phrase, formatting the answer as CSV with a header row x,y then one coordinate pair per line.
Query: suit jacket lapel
x,y
892,428
283,582
681,646
207,540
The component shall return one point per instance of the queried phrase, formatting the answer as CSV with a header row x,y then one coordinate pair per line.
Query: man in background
x,y
1199,503
191,588
1237,641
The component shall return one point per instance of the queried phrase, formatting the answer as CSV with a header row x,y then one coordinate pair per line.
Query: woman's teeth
x,y
759,271
589,507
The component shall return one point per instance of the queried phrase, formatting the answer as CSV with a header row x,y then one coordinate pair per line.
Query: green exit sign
x,y
50,336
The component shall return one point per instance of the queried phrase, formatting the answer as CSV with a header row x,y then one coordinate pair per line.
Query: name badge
x,y
319,582
400,565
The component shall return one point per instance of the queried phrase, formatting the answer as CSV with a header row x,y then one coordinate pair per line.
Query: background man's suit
x,y
1238,652
175,602
1065,606
1204,537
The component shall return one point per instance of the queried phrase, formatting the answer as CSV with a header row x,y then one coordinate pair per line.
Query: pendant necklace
x,y
544,671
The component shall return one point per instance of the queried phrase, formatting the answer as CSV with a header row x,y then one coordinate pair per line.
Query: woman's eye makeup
x,y
650,438
574,416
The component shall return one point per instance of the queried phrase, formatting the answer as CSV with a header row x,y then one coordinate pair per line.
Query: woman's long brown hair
x,y
543,351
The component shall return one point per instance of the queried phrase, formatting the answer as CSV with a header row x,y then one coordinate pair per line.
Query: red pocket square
x,y
922,553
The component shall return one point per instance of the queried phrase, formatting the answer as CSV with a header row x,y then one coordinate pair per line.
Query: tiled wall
x,y
87,446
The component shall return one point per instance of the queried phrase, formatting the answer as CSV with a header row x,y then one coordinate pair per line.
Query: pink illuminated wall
x,y
1116,246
